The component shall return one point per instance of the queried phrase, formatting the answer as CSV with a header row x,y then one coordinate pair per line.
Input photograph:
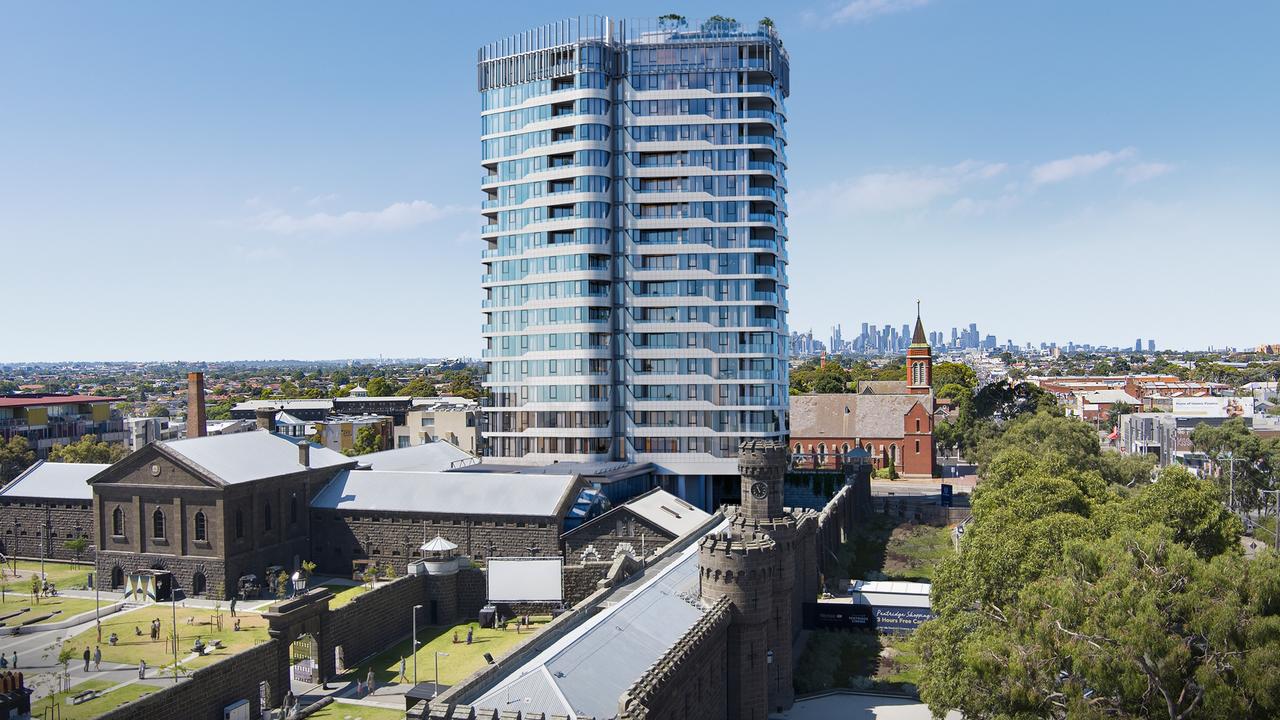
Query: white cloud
x,y
397,216
322,199
886,192
1142,172
864,10
1077,166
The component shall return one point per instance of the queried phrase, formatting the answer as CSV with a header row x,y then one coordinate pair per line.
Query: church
x,y
892,421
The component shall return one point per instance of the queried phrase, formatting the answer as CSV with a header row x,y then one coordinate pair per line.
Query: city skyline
x,y
318,154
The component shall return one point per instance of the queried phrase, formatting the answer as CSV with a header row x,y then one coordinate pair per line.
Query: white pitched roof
x,y
428,457
445,492
668,512
54,480
248,456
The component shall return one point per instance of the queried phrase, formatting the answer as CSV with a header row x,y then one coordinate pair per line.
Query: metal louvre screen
x,y
525,580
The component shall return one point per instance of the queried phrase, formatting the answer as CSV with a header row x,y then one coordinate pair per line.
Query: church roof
x,y
882,387
845,415
918,338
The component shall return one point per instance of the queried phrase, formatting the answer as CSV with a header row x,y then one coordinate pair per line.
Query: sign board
x,y
837,616
889,617
1217,407
534,579
946,495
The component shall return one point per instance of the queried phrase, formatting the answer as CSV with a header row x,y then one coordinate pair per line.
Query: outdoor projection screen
x,y
525,579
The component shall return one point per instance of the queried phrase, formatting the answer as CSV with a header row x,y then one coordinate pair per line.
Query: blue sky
x,y
301,180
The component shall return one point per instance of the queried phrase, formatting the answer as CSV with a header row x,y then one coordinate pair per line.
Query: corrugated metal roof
x,y
445,492
248,456
63,481
39,400
593,664
428,457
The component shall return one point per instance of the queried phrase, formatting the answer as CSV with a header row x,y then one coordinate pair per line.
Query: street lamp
x,y
414,644
435,687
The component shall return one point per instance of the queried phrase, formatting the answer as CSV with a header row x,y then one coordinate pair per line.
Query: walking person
x,y
97,658
233,606
403,679
142,669
369,680
15,659
87,657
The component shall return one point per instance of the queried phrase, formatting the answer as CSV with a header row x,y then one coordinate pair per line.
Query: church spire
x,y
918,338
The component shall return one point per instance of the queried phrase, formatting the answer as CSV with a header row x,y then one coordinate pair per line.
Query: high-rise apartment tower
x,y
635,241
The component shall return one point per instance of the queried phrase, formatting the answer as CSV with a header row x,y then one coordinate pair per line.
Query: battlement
x,y
760,455
678,664
748,544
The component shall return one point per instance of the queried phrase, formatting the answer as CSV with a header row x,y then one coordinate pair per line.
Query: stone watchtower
x,y
754,563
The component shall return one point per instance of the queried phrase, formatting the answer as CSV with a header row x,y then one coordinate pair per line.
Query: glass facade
x,y
635,241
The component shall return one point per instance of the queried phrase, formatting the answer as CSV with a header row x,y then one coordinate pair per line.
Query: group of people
x,y
4,662
95,657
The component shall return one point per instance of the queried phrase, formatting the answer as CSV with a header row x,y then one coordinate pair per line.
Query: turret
x,y
763,467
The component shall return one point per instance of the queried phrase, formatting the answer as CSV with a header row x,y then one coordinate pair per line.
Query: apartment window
x,y
201,527
117,522
157,524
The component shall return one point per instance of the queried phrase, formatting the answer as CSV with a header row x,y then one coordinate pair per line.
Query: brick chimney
x,y
265,418
304,453
195,405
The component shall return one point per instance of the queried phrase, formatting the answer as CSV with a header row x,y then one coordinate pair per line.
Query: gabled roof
x,y
54,480
248,456
882,387
668,512
845,415
451,493
428,457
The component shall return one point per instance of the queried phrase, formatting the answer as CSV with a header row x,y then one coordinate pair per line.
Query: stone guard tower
x,y
755,563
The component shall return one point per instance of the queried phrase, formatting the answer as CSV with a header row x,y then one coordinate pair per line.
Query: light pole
x,y
435,687
413,646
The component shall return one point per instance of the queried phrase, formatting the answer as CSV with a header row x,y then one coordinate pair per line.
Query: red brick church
x,y
891,420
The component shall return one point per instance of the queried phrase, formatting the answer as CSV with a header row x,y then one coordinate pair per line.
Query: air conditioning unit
x,y
238,710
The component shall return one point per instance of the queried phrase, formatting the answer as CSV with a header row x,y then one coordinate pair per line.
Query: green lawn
x,y
343,594
92,708
63,607
857,660
343,711
64,575
132,648
461,661
881,547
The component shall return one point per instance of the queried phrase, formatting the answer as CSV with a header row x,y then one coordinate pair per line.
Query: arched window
x,y
239,525
799,449
117,521
266,516
201,526
198,584
293,510
822,450
893,454
157,524
844,449
117,577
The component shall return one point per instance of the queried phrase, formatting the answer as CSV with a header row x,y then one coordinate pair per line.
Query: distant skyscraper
x,y
1137,345
1151,346
635,233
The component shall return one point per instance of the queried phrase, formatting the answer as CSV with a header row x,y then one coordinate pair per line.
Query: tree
x,y
157,410
1136,626
308,567
379,387
1246,463
950,373
88,449
368,440
16,455
418,387
77,546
